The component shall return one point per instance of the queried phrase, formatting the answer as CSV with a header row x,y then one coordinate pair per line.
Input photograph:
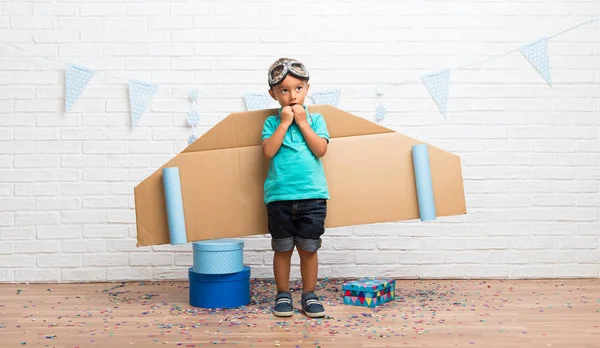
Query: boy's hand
x,y
287,115
299,114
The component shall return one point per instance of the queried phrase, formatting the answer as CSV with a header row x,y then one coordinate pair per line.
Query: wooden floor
x,y
467,313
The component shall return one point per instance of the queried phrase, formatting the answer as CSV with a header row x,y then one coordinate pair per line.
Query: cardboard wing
x,y
369,169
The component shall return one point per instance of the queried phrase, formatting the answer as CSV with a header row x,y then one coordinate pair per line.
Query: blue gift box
x,y
218,256
219,290
369,292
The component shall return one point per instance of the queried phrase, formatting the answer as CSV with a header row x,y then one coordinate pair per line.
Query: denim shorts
x,y
297,223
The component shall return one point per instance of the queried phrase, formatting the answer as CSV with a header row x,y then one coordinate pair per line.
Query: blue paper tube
x,y
174,202
423,181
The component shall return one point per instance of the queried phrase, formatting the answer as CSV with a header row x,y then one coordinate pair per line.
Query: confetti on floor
x,y
432,313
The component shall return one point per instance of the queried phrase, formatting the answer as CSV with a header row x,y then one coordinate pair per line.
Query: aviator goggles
x,y
279,71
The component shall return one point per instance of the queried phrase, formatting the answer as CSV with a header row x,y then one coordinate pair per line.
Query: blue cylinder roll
x,y
174,202
423,181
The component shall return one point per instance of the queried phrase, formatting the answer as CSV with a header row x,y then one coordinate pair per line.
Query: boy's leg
x,y
282,242
310,224
309,269
281,269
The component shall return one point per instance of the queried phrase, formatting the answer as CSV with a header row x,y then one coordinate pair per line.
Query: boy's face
x,y
290,91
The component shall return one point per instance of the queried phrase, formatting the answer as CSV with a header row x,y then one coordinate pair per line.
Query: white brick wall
x,y
529,151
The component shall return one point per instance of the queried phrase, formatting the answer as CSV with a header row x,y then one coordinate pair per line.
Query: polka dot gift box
x,y
218,277
369,292
218,256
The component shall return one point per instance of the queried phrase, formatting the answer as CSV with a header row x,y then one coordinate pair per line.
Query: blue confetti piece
x,y
192,138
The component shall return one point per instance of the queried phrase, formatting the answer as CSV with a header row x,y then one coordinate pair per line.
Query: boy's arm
x,y
317,139
317,144
271,145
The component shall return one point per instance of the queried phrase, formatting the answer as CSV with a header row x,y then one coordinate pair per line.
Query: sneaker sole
x,y
315,315
283,314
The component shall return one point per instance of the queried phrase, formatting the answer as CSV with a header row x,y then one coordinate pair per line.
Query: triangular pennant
x,y
354,299
537,55
257,101
369,301
437,84
76,79
140,95
331,97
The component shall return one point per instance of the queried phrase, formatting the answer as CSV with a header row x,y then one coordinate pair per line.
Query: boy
x,y
296,191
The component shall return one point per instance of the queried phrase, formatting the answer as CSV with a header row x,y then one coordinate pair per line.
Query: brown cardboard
x,y
369,170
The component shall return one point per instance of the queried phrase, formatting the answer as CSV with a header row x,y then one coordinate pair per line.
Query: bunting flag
x,y
257,101
437,84
331,97
193,118
193,95
140,96
537,55
77,78
380,112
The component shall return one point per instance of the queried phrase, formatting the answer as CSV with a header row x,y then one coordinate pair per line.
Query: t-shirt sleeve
x,y
320,126
269,128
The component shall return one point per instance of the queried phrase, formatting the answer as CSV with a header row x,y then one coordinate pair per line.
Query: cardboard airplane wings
x,y
369,170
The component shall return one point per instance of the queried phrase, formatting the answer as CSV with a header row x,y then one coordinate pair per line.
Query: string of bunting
x,y
437,83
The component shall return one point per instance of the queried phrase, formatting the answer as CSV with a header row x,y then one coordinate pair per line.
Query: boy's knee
x,y
282,244
308,245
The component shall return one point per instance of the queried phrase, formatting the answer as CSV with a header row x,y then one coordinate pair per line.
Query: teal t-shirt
x,y
294,172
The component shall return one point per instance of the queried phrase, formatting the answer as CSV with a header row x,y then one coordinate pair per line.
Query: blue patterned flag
x,y
380,112
331,97
192,138
193,118
437,84
257,101
140,95
77,78
537,55
194,94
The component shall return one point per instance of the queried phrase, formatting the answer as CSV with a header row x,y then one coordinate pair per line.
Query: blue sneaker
x,y
283,305
312,306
